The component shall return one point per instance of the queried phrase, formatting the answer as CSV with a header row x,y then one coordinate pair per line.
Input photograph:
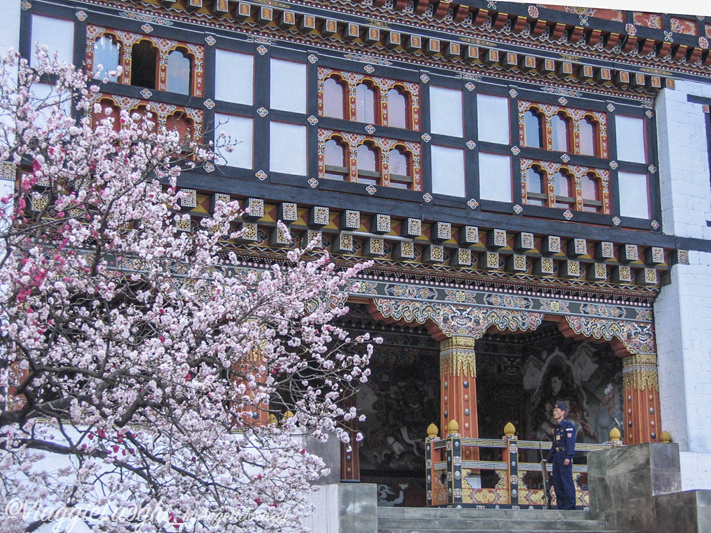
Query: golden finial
x,y
453,426
615,435
273,419
509,430
666,436
432,431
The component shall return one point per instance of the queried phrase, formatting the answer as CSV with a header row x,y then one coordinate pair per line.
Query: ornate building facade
x,y
532,183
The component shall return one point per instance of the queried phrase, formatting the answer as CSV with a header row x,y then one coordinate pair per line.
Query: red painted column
x,y
458,389
641,399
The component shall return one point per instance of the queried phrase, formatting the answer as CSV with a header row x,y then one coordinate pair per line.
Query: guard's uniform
x,y
563,448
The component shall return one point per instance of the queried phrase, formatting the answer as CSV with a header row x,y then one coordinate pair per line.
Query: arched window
x,y
334,102
181,123
368,165
400,171
591,194
397,109
365,103
564,195
144,64
109,109
335,159
179,68
536,190
533,130
559,125
107,55
588,137
144,112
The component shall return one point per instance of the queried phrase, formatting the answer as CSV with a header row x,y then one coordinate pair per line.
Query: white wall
x,y
683,309
10,26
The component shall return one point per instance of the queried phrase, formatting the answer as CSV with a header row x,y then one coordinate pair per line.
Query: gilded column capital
x,y
639,372
458,356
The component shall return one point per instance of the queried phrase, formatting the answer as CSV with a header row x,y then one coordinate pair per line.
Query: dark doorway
x,y
400,399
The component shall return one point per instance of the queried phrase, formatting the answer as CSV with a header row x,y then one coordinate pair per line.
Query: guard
x,y
562,453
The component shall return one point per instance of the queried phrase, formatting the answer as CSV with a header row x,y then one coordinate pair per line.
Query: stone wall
x,y
625,481
683,309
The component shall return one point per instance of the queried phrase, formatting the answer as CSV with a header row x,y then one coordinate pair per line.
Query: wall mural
x,y
519,378
400,400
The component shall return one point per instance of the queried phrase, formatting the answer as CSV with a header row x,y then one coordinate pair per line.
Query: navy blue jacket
x,y
563,437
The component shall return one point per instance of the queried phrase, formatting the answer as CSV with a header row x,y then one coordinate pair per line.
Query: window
x,y
400,171
238,132
56,34
634,195
234,77
533,129
495,179
536,190
107,54
371,161
150,62
179,68
144,65
559,126
334,98
576,188
493,118
588,137
287,152
630,139
564,195
448,171
181,123
109,109
575,131
336,167
368,99
446,112
287,85
365,103
368,165
397,109
366,159
592,199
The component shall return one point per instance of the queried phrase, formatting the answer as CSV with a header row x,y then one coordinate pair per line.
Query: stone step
x,y
491,524
443,520
508,529
469,512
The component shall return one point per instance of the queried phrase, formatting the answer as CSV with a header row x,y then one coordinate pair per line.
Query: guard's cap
x,y
562,406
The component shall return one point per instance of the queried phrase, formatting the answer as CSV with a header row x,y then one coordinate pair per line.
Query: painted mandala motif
x,y
261,175
313,183
146,94
147,28
209,103
371,189
210,40
473,204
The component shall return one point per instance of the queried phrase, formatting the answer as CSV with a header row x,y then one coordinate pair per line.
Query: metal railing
x,y
455,473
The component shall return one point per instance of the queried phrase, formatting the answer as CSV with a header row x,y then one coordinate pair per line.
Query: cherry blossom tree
x,y
139,360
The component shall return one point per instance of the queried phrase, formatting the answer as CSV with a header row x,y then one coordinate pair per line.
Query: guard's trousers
x,y
563,482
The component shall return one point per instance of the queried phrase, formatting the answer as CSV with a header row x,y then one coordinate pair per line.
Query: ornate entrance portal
x,y
503,358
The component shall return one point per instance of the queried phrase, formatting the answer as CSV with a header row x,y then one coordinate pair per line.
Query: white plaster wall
x,y
10,26
325,518
683,308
